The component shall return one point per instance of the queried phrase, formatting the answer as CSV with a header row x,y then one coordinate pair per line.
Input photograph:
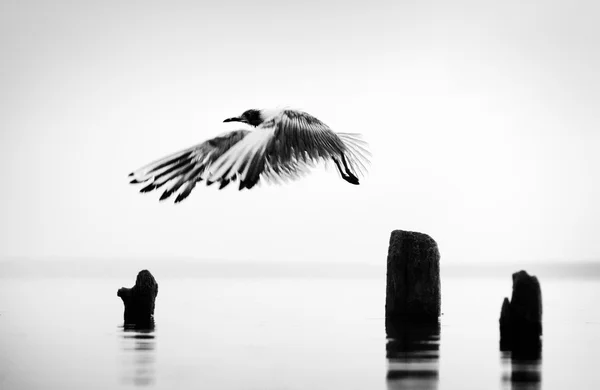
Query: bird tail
x,y
356,152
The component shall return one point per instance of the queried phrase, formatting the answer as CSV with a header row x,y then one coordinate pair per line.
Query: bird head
x,y
251,117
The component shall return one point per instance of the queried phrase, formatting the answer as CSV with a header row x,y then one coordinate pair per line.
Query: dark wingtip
x,y
148,188
224,183
165,195
248,184
135,181
131,174
181,197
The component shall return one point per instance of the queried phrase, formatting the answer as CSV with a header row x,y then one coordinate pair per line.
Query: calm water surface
x,y
285,334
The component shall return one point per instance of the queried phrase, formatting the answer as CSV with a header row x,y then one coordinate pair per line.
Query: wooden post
x,y
413,280
139,300
521,318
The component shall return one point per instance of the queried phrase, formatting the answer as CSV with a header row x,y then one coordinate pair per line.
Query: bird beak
x,y
236,119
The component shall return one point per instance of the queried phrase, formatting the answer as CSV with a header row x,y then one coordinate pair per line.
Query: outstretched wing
x,y
182,170
301,136
290,141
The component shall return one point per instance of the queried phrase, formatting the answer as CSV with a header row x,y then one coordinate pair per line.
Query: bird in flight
x,y
284,145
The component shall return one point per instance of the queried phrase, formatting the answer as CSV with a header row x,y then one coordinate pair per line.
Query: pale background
x,y
482,118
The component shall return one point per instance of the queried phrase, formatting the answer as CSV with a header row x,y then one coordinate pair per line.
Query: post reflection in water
x,y
413,354
525,362
138,345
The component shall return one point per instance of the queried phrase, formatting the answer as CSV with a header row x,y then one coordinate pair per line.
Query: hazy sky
x,y
482,118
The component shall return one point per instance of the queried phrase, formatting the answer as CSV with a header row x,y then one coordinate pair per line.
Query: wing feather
x,y
183,169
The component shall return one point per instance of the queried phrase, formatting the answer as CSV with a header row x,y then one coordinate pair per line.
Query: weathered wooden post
x,y
521,317
521,330
412,310
139,300
413,280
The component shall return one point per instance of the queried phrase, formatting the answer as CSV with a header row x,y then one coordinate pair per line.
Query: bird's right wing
x,y
182,170
301,136
285,146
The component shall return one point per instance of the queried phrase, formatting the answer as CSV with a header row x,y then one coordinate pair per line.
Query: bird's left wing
x,y
182,170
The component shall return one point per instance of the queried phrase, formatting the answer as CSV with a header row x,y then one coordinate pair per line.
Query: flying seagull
x,y
283,146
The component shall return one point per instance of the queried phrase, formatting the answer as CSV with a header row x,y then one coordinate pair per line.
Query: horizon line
x,y
207,268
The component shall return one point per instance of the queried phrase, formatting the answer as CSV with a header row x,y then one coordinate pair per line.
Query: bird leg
x,y
337,164
348,176
348,171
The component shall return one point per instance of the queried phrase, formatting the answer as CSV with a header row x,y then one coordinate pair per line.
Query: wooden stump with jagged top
x,y
139,300
521,317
